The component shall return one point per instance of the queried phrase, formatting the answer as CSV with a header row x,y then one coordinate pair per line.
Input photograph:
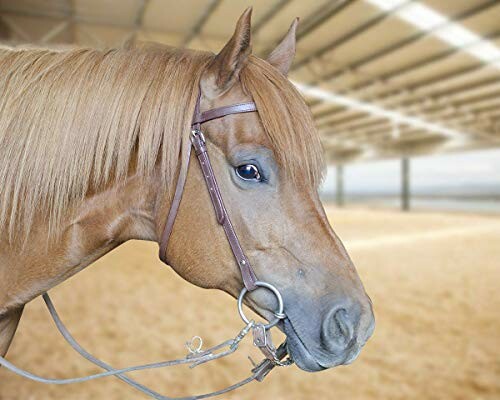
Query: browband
x,y
214,113
198,143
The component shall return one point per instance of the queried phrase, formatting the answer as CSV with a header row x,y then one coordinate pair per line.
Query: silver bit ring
x,y
279,313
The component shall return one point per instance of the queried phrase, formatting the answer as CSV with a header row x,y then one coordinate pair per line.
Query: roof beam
x,y
448,95
448,116
92,37
82,22
345,38
480,122
56,30
58,16
407,90
385,131
313,22
487,90
4,30
269,15
71,17
419,64
138,20
405,42
141,11
373,109
421,88
16,29
68,15
321,16
413,144
201,22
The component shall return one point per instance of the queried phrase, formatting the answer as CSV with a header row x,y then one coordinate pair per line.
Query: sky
x,y
474,172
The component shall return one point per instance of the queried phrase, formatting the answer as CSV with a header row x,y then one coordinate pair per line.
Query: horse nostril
x,y
343,323
338,330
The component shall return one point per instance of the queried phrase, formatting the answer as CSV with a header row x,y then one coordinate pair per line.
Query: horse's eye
x,y
248,172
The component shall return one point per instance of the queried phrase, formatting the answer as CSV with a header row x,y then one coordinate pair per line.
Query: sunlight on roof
x,y
394,116
438,25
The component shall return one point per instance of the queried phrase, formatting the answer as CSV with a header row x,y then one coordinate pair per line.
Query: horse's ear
x,y
282,56
224,70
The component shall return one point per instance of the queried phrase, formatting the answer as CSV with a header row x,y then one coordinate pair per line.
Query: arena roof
x,y
384,78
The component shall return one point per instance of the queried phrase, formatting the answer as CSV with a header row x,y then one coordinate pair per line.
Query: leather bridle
x,y
200,148
198,143
196,356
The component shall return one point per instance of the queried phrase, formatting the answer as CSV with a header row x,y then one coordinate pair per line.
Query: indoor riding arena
x,y
405,95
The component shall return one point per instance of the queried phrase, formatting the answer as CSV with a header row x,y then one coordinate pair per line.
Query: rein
x,y
196,355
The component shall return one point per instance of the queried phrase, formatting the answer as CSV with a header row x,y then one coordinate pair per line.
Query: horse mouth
x,y
304,358
298,351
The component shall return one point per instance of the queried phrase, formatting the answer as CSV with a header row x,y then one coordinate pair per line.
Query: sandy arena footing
x,y
433,278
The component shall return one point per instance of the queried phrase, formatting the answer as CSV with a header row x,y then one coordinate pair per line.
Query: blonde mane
x,y
74,121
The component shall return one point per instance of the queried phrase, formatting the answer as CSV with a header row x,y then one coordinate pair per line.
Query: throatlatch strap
x,y
174,208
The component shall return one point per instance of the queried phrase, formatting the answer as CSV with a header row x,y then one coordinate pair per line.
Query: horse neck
x,y
128,210
103,221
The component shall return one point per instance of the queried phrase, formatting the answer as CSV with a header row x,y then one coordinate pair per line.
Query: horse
x,y
91,143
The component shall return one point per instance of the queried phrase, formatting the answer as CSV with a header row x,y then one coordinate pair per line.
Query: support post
x,y
339,192
405,184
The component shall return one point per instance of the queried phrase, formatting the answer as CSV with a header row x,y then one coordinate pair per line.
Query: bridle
x,y
196,356
200,148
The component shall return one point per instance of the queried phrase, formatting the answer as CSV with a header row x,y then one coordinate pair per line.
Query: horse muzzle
x,y
342,333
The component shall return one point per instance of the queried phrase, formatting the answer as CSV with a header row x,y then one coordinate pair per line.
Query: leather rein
x,y
196,355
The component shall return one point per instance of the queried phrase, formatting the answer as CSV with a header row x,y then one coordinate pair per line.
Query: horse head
x,y
268,166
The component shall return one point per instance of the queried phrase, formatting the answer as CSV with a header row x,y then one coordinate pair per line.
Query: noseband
x,y
196,356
